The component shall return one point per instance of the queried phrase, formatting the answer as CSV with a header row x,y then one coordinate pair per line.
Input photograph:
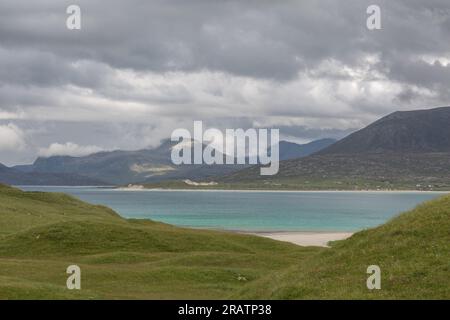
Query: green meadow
x,y
41,234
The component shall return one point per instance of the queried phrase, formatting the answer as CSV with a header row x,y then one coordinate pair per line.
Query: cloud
x,y
11,137
68,149
310,68
214,59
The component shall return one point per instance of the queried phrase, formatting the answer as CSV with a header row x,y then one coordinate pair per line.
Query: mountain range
x,y
408,149
124,167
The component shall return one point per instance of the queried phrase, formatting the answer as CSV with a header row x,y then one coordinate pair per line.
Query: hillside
x,y
404,150
418,131
123,167
411,171
42,233
141,166
412,251
16,177
289,150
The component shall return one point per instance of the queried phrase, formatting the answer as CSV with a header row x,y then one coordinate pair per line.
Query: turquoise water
x,y
253,211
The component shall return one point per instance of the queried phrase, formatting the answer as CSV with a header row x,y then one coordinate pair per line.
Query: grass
x,y
43,233
412,250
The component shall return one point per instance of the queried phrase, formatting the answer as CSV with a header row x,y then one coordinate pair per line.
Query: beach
x,y
302,238
374,191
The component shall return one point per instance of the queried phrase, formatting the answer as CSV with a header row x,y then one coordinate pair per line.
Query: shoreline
x,y
304,238
236,190
279,191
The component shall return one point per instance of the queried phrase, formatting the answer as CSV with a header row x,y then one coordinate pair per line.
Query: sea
x,y
253,211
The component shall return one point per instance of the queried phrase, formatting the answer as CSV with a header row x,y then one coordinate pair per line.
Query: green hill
x,y
412,251
42,233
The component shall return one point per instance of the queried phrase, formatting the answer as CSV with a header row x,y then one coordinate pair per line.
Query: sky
x,y
138,69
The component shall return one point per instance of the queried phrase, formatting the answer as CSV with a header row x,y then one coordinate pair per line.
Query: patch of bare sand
x,y
306,238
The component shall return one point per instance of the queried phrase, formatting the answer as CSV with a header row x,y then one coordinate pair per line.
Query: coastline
x,y
304,238
277,190
116,188
312,238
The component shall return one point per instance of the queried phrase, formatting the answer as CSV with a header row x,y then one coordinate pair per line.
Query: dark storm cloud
x,y
252,38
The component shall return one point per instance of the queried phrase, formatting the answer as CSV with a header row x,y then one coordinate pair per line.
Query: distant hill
x,y
123,167
401,131
404,150
411,171
407,149
291,150
16,177
143,166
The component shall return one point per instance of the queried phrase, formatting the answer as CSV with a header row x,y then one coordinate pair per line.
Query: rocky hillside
x,y
416,131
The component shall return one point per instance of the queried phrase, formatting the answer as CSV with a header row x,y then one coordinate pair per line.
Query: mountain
x,y
291,150
123,167
16,177
401,150
404,150
416,131
147,165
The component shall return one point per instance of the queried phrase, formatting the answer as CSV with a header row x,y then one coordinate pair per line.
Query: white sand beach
x,y
306,238
278,191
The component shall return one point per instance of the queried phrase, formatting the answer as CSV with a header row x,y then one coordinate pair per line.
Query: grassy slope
x,y
412,250
41,234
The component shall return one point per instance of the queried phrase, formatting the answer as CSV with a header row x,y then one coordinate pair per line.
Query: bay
x,y
252,210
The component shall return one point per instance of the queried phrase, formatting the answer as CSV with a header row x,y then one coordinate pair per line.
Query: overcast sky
x,y
138,69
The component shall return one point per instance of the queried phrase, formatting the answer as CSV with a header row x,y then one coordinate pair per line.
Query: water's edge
x,y
252,211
